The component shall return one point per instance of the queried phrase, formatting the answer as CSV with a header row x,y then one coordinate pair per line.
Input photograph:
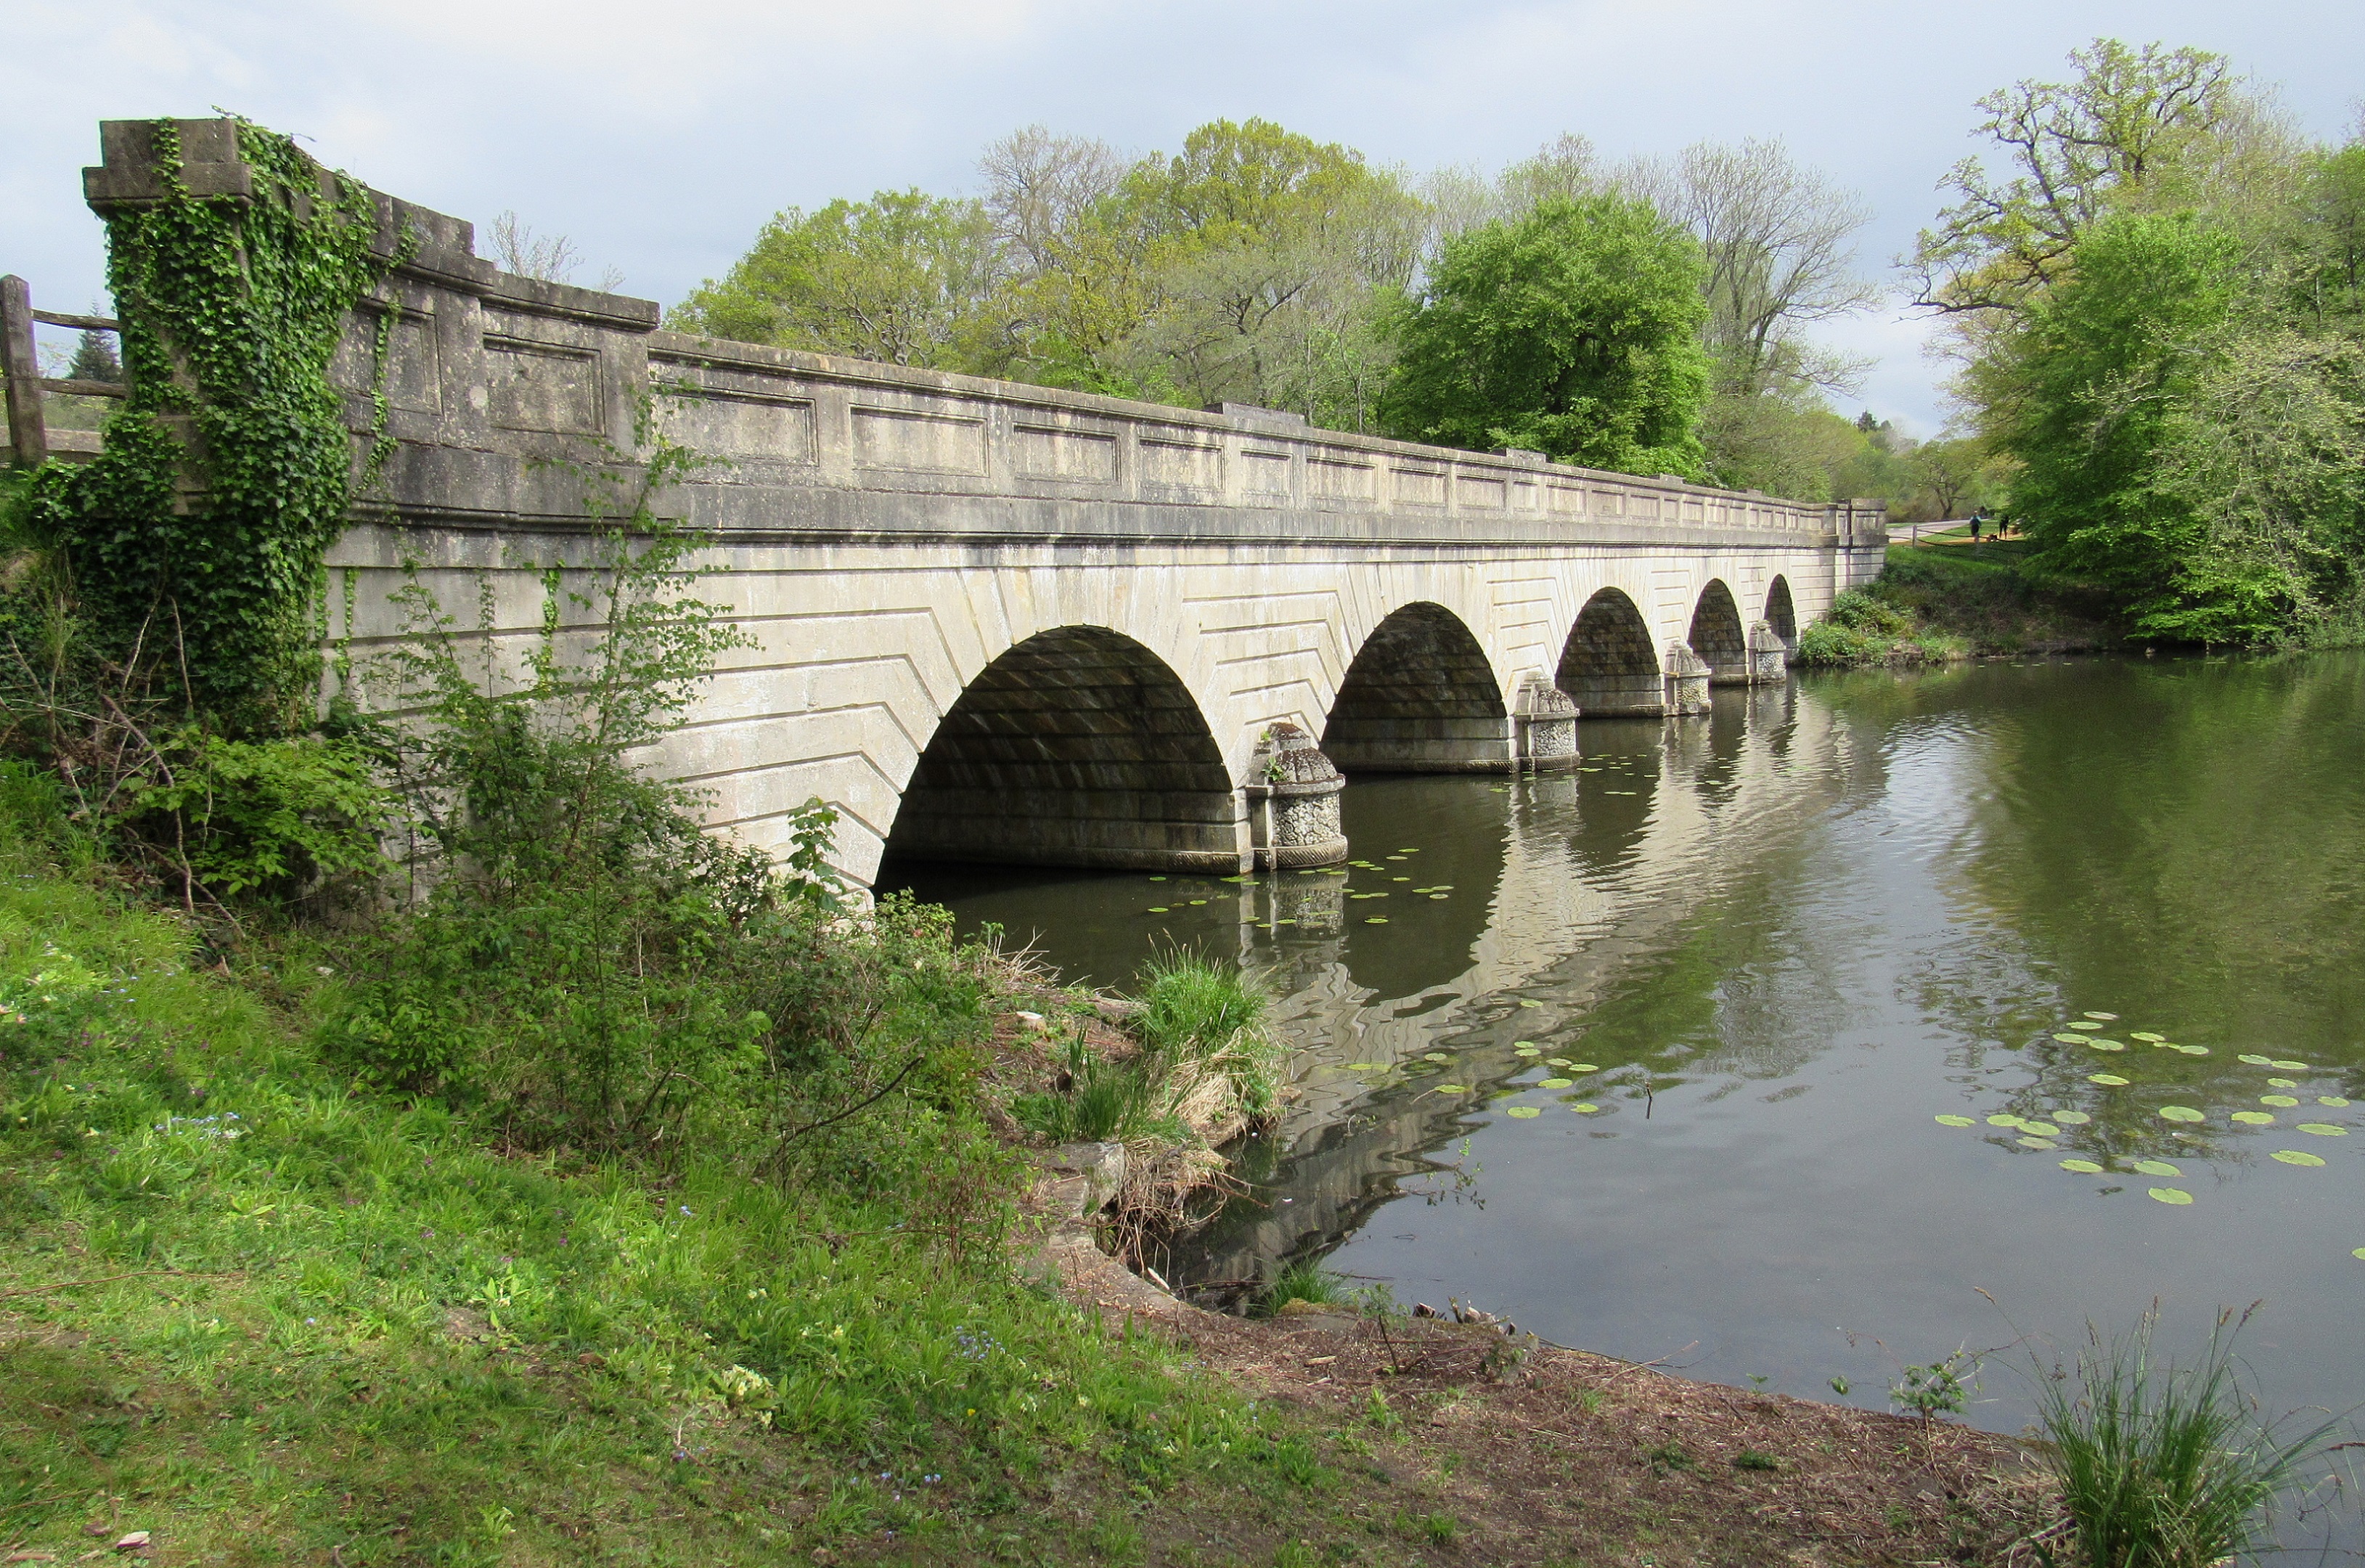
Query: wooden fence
x,y
29,437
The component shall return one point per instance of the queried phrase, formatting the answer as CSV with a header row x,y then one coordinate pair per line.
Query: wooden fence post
x,y
26,430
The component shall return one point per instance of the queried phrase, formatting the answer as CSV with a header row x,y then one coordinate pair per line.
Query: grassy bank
x,y
1937,603
266,1312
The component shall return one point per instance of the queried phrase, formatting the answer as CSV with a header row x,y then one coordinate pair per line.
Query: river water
x,y
1650,1058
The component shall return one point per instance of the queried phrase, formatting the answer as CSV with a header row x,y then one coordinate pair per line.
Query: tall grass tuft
x,y
2161,1465
1305,1279
1196,1011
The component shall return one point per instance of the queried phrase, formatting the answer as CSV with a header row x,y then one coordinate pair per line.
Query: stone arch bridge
x,y
1002,622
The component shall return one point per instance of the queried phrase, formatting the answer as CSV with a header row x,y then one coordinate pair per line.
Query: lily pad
x,y
1527,1050
1435,1056
1530,1001
1554,1083
2283,1082
2294,1156
1558,1061
2110,1079
2358,1253
1523,1111
1157,879
2283,1099
2003,1119
2255,1061
2107,1017
1583,1067
1584,1107
1375,920
1197,902
2108,1045
2083,1167
1158,909
2177,1195
2070,1119
2191,1050
1956,1122
1367,1067
2289,1066
2334,1101
2157,1168
2147,1037
2255,1119
2072,1039
2178,1114
2035,1143
2042,1129
1451,1088
2322,1129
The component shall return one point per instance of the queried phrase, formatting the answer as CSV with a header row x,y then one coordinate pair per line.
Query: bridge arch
x,y
1078,747
1779,614
1717,636
1609,666
1420,696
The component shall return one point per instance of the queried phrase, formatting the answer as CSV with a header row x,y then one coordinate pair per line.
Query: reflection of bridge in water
x,y
1590,872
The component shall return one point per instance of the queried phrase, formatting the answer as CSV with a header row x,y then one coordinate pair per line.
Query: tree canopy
x,y
2167,344
1573,331
1259,265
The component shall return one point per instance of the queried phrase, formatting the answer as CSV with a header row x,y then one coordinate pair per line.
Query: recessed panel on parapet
x,y
919,441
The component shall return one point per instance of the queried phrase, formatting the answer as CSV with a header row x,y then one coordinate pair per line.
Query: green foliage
x,y
2161,315
328,1301
590,965
1305,1279
1210,1016
279,816
1863,628
226,471
2162,1466
1941,1388
1991,597
2179,446
1573,331
2077,149
905,277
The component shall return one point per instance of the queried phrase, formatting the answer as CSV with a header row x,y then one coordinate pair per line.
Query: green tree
x,y
1573,331
906,277
2074,149
2088,391
1272,256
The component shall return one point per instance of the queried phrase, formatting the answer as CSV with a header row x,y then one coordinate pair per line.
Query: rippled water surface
x,y
1773,946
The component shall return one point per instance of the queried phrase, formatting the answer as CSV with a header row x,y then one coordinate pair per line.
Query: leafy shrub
x,y
276,815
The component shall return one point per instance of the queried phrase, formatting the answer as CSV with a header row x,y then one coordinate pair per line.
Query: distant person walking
x,y
1976,520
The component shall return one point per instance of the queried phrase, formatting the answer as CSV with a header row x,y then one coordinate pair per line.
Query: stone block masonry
x,y
1009,623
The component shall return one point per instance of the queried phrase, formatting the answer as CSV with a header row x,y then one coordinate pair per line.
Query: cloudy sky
x,y
659,136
